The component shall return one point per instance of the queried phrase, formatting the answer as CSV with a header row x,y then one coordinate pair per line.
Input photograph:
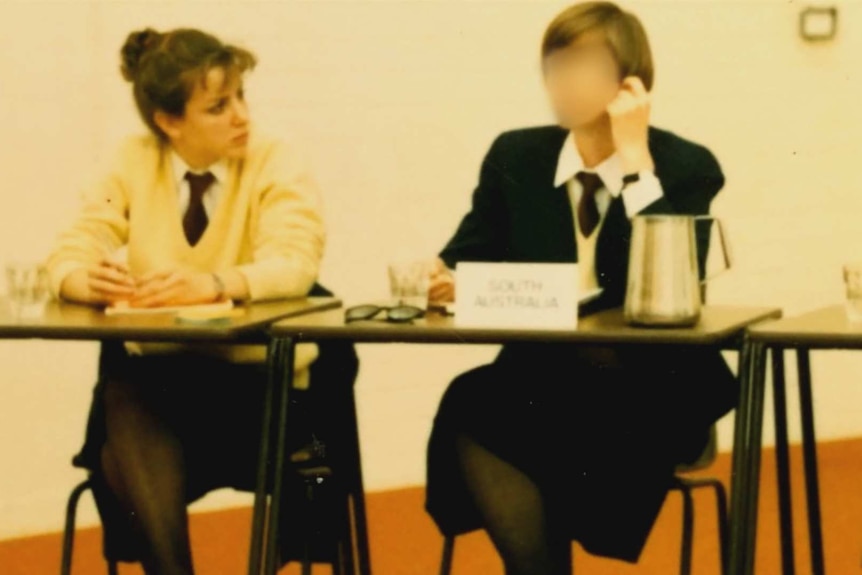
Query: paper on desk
x,y
124,308
589,296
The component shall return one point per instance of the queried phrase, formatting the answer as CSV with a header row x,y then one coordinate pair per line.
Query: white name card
x,y
516,295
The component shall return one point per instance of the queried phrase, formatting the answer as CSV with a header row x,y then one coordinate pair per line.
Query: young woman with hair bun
x,y
207,209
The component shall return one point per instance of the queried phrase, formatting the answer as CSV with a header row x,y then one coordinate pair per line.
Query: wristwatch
x,y
631,178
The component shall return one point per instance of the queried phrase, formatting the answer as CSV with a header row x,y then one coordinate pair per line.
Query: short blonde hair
x,y
624,34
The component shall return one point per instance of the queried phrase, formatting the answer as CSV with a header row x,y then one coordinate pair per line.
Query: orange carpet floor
x,y
404,541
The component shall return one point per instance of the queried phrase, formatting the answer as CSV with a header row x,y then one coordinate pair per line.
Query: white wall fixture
x,y
818,23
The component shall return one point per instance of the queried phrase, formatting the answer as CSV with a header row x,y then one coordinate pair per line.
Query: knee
x,y
467,392
120,395
128,407
110,468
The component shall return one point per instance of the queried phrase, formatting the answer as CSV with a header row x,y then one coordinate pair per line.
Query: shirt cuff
x,y
638,195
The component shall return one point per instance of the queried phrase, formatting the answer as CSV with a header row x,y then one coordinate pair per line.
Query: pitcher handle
x,y
725,248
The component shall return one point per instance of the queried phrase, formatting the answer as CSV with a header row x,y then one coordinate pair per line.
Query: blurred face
x,y
215,125
581,80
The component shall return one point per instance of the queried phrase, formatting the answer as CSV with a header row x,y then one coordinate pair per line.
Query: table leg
x,y
259,516
360,521
282,388
809,452
738,487
745,473
758,385
782,462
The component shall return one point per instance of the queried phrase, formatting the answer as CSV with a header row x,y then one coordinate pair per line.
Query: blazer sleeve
x,y
481,234
99,229
690,183
289,237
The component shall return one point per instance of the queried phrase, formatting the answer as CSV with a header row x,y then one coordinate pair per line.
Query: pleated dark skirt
x,y
599,430
215,407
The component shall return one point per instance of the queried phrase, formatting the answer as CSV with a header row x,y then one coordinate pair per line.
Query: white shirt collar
x,y
180,167
570,163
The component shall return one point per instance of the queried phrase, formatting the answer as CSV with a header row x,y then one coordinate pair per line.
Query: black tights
x,y
144,468
514,514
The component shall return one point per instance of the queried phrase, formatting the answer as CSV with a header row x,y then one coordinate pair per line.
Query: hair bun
x,y
137,44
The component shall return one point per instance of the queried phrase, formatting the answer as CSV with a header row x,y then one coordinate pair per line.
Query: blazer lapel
x,y
542,219
558,224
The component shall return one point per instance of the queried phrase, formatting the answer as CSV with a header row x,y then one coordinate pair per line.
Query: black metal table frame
x,y
264,539
749,365
751,428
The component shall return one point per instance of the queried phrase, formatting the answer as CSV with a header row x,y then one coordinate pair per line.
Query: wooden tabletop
x,y
825,328
78,322
717,325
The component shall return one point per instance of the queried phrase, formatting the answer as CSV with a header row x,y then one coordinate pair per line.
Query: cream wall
x,y
396,103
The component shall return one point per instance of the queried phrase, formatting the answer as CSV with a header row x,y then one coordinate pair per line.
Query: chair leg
x,y
361,549
306,554
69,530
723,522
448,553
343,550
343,556
306,567
687,531
350,536
356,494
686,486
112,568
340,555
350,548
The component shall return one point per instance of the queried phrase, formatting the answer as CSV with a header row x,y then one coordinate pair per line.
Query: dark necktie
x,y
195,219
588,210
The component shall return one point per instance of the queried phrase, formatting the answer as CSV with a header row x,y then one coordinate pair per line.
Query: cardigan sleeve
x,y
289,236
99,229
